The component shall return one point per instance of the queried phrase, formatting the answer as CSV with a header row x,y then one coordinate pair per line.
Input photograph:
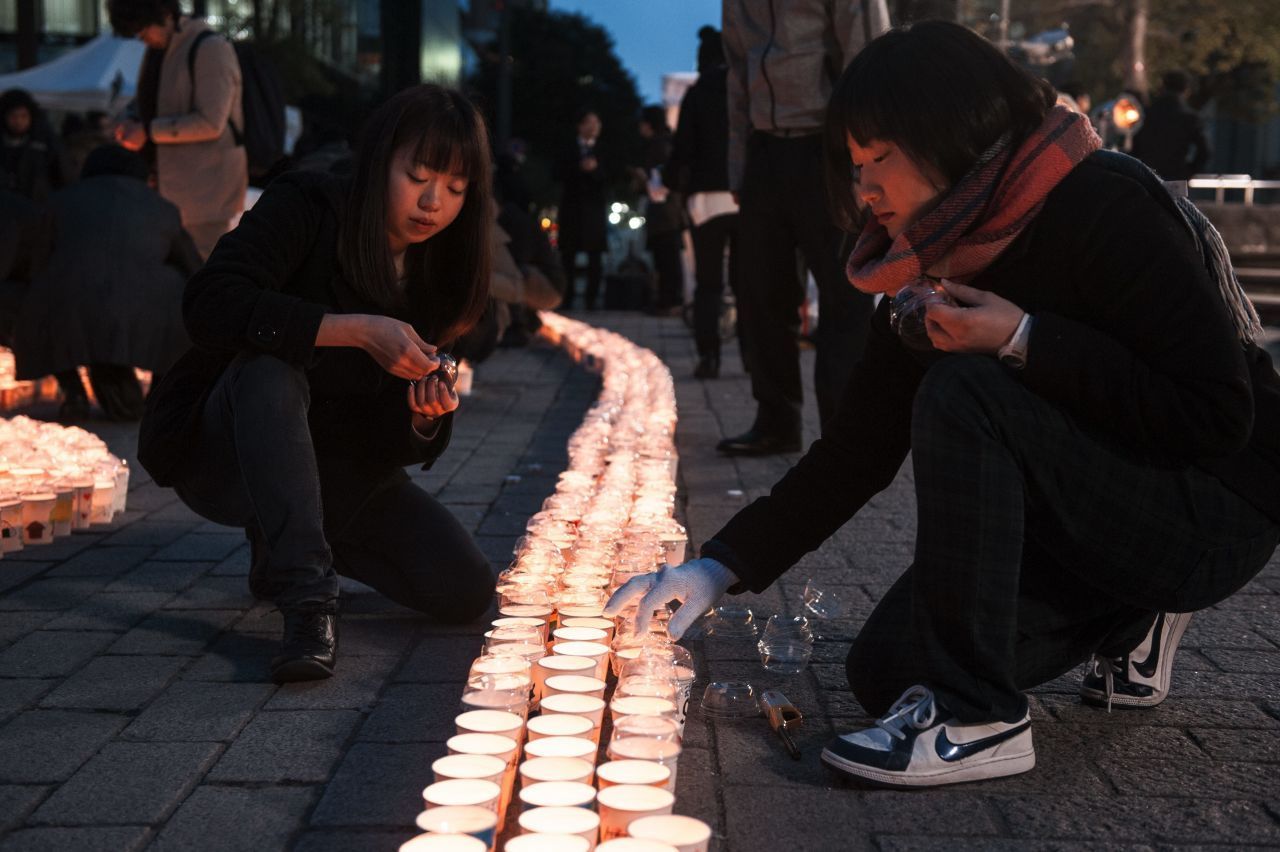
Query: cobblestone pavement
x,y
135,711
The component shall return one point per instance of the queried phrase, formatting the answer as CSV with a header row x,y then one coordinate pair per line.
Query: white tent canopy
x,y
100,74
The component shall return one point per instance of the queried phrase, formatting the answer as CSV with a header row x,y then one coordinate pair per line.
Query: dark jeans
x,y
709,242
1038,544
569,259
665,249
784,211
255,467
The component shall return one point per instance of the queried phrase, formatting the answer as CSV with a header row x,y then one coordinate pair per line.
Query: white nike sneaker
x,y
912,747
1140,678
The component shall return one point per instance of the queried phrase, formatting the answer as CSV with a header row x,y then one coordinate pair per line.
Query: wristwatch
x,y
1014,353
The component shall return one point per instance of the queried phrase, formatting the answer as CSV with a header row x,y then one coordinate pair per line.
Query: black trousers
x,y
116,387
1038,543
709,242
256,467
569,259
665,248
784,212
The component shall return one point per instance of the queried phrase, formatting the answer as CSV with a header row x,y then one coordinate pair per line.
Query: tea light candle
x,y
598,652
641,705
493,745
463,791
562,747
574,685
579,634
685,833
485,767
539,769
471,820
10,525
559,725
490,722
599,623
665,752
547,843
583,822
621,804
557,794
558,664
37,517
592,610
645,772
577,705
443,843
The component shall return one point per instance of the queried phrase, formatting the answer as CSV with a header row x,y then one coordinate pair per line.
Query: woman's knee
x,y
471,583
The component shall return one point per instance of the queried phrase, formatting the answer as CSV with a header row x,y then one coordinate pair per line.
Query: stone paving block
x,y
355,687
235,657
441,659
98,839
364,637
44,746
175,632
1192,684
1245,662
413,713
236,564
51,594
287,745
16,802
1140,818
148,533
20,693
15,625
378,784
102,562
919,843
115,683
234,819
51,653
14,574
1223,629
201,547
697,783
1200,779
1181,713
58,550
113,612
198,712
160,577
1235,744
214,593
346,841
129,783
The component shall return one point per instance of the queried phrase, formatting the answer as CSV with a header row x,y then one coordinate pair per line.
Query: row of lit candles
x,y
53,480
551,650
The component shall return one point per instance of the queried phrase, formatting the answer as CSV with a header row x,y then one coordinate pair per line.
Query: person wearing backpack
x,y
186,115
1072,368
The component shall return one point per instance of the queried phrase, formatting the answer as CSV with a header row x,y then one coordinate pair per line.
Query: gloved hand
x,y
697,585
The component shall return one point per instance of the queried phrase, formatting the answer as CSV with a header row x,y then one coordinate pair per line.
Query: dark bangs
x,y
937,90
447,276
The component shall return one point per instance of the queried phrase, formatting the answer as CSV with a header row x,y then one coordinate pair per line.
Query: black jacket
x,y
110,261
265,289
700,149
1172,139
1131,338
583,202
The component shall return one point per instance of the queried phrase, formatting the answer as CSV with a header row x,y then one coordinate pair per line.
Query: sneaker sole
x,y
1000,767
1098,698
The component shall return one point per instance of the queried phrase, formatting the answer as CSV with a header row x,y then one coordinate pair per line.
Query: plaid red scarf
x,y
981,215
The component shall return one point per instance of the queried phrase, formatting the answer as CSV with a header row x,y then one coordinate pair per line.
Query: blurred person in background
x,y
1172,141
582,209
664,212
33,161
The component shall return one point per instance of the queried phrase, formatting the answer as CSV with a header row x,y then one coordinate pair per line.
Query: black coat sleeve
x,y
858,456
236,302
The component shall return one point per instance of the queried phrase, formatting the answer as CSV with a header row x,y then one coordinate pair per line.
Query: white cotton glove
x,y
697,585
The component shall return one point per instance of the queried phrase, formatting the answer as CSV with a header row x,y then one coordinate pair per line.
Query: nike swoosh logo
x,y
1147,668
951,752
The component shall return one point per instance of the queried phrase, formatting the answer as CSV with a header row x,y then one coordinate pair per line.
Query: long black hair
x,y
937,90
447,276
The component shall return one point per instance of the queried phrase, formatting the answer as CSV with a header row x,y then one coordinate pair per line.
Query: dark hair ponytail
x,y
937,90
447,276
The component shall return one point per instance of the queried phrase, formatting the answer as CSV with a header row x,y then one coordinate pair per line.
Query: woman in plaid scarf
x,y
1095,437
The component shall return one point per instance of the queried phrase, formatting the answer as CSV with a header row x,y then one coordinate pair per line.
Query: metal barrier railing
x,y
1221,183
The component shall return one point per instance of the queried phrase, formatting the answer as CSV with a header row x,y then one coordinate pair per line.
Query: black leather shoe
x,y
309,650
708,367
755,443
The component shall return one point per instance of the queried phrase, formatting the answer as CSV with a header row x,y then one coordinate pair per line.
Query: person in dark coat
x,y
33,161
664,211
317,376
699,169
18,218
582,209
1094,432
1172,141
110,262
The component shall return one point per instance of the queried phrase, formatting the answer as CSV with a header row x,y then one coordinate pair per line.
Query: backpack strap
x,y
1213,251
236,135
